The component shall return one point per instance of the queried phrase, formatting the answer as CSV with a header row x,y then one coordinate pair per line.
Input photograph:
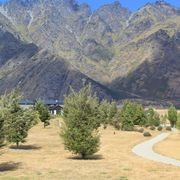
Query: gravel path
x,y
145,150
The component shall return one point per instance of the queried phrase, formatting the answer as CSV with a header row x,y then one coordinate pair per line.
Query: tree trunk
x,y
83,156
17,144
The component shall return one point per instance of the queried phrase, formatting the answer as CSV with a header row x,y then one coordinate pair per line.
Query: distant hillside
x,y
38,73
132,54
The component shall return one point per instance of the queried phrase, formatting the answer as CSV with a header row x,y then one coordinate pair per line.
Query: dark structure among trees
x,y
55,107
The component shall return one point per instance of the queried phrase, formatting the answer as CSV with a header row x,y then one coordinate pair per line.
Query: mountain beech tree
x,y
81,122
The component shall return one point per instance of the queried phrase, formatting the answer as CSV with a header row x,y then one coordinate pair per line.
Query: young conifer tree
x,y
44,114
81,122
172,115
16,121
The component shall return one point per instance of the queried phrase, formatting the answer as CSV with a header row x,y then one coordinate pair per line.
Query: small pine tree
x,y
116,121
44,114
18,125
132,114
172,115
126,114
112,110
1,126
17,121
8,104
153,118
109,114
104,113
81,122
139,117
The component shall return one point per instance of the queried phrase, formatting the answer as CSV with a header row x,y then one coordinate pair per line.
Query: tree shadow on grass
x,y
25,147
93,157
2,145
9,166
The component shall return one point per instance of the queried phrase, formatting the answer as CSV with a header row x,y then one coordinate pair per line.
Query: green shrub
x,y
152,128
168,128
160,128
141,130
147,134
135,129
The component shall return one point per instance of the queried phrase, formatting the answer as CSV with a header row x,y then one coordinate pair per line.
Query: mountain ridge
x,y
106,45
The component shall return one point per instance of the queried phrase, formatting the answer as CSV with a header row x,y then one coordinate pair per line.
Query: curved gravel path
x,y
145,150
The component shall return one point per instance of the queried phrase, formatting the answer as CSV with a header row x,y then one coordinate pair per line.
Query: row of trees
x,y
15,122
134,114
84,114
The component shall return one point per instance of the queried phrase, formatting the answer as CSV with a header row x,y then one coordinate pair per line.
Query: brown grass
x,y
44,158
170,147
164,111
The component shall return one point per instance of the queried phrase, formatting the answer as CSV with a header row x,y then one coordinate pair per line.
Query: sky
x,y
133,5
130,4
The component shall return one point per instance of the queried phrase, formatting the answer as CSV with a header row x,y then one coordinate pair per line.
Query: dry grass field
x,y
164,111
170,147
43,157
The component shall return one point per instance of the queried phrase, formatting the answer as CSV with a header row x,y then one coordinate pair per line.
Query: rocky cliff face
x,y
124,51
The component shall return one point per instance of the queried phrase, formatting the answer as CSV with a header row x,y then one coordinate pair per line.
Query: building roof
x,y
26,102
46,102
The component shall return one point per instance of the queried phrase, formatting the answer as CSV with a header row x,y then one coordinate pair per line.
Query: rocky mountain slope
x,y
133,54
158,76
38,73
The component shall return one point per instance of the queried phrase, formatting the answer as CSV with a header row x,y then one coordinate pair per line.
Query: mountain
x,y
132,54
159,75
38,73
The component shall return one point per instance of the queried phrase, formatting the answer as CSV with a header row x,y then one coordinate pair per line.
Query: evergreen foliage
x,y
172,115
178,122
15,121
109,114
44,114
81,122
132,114
153,118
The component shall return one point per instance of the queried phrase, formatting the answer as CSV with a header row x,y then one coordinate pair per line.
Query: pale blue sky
x,y
131,4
